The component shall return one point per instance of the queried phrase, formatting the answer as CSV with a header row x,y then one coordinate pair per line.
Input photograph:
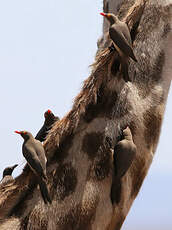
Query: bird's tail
x,y
134,57
124,70
116,191
44,191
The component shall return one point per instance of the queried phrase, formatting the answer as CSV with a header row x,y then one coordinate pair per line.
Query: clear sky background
x,y
45,50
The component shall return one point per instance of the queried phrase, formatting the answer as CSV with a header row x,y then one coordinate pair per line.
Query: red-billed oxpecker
x,y
124,154
34,153
7,175
50,119
120,35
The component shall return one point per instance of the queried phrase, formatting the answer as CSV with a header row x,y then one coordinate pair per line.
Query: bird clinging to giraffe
x,y
7,175
50,119
34,153
124,153
120,35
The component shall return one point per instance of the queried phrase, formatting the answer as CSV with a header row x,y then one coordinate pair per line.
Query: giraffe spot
x,y
138,174
27,194
91,143
103,107
109,103
62,151
64,181
137,180
79,218
152,122
101,166
92,111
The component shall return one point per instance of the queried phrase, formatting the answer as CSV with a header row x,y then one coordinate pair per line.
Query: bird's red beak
x,y
18,132
103,14
49,111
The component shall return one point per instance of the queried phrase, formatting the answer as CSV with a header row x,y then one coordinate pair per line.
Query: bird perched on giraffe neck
x,y
124,154
121,38
34,153
50,119
7,174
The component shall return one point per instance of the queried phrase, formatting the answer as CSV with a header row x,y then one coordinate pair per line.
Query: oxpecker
x,y
34,153
7,175
50,119
124,153
120,35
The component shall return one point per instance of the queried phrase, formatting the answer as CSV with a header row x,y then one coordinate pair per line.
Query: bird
x,y
121,38
34,153
7,175
124,153
50,119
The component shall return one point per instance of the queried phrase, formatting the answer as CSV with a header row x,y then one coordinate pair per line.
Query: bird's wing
x,y
126,33
117,158
41,154
44,191
124,153
33,160
118,38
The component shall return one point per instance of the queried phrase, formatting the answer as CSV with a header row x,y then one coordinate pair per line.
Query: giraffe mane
x,y
88,95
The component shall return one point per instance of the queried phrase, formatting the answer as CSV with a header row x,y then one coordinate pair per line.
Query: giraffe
x,y
79,147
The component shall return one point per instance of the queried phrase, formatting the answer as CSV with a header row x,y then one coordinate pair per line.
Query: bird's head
x,y
25,134
48,113
50,117
110,17
127,133
9,170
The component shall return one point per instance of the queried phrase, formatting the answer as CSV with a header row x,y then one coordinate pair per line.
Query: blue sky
x,y
45,50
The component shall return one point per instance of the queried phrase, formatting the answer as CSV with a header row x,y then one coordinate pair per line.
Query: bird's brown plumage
x,y
50,119
120,35
7,175
124,153
34,153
